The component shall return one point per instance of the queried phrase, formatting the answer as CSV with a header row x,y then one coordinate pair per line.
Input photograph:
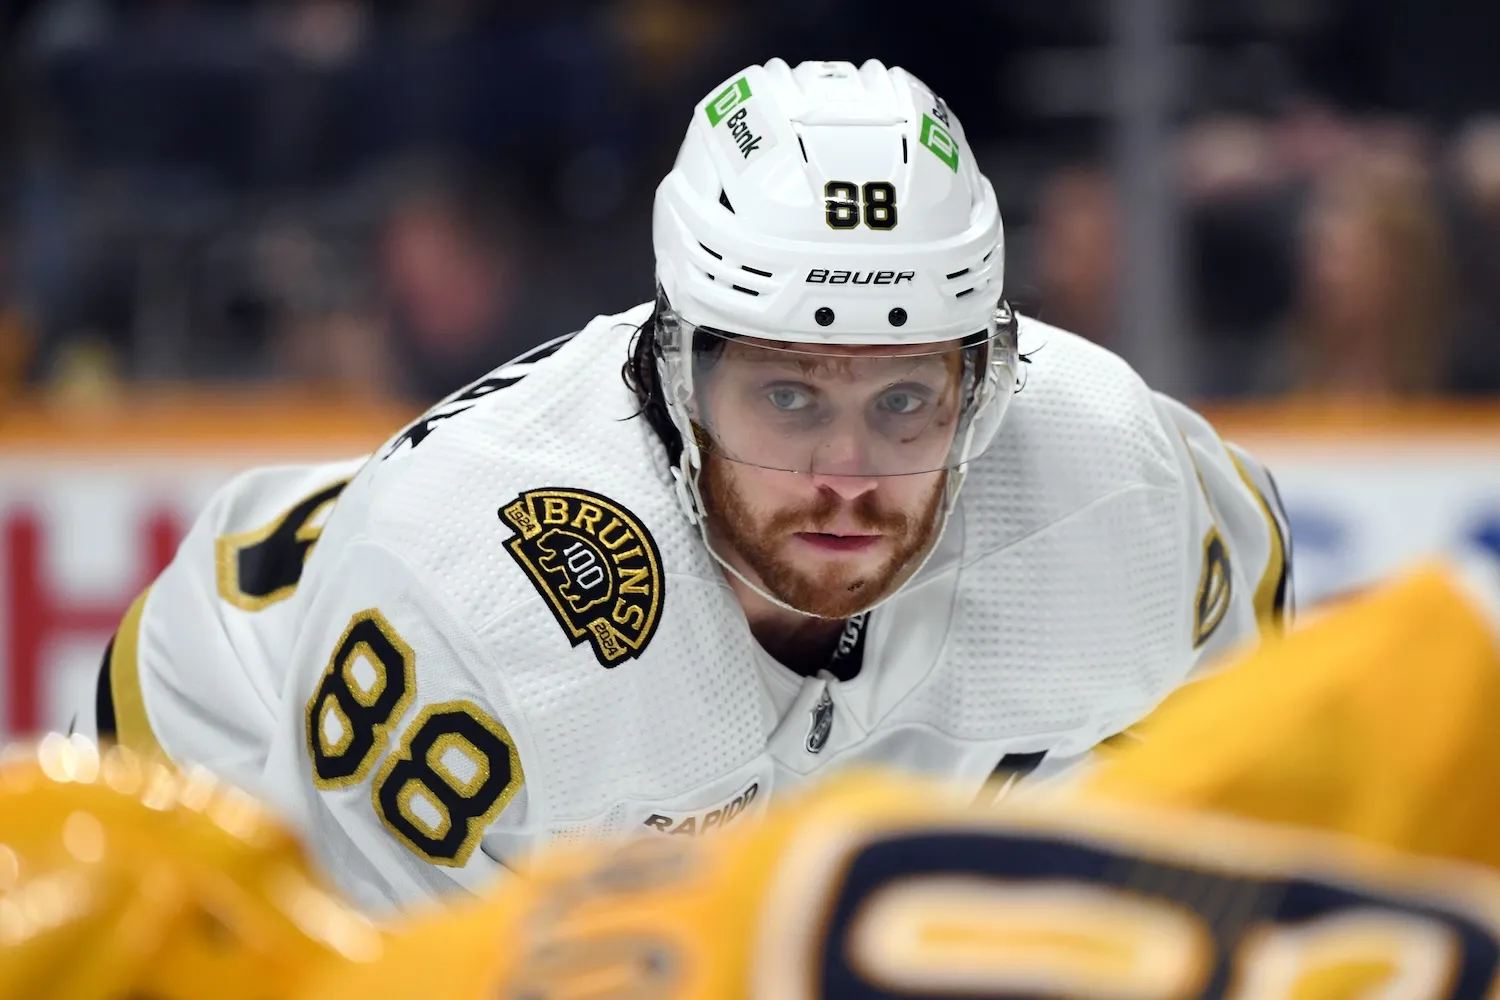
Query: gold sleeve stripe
x,y
1269,612
132,727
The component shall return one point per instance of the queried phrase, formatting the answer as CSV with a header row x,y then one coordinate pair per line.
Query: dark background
x,y
386,199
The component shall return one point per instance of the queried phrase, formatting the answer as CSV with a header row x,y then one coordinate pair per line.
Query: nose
x,y
840,465
847,487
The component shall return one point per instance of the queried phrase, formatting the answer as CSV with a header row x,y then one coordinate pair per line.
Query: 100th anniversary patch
x,y
595,563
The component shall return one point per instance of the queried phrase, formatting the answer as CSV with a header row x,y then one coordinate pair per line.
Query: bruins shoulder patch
x,y
595,564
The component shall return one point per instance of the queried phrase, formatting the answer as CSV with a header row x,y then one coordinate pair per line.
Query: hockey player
x,y
808,507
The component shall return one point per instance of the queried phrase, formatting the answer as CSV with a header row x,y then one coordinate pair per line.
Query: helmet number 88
x,y
845,200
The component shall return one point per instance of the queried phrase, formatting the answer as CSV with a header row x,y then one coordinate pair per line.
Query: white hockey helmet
x,y
831,218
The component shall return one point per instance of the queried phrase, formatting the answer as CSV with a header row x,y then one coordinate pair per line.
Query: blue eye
x,y
901,402
788,399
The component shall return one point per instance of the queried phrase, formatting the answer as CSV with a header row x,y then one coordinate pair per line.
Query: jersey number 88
x,y
452,772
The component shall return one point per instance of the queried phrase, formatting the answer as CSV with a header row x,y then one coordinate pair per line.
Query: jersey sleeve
x,y
399,749
1241,579
196,666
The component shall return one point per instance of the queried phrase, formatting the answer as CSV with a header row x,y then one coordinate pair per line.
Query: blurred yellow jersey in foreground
x,y
1380,723
1363,751
121,879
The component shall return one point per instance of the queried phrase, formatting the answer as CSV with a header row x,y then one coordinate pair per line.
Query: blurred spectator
x,y
449,282
429,305
1075,248
1476,170
329,333
1243,192
1376,302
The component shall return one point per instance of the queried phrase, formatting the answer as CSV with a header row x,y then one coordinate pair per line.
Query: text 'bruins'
x,y
595,564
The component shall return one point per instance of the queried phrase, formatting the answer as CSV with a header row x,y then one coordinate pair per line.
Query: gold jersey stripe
x,y
1266,612
132,726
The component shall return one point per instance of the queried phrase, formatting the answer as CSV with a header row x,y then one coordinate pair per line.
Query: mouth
x,y
831,542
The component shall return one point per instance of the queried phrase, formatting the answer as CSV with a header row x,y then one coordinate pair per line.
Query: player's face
x,y
797,477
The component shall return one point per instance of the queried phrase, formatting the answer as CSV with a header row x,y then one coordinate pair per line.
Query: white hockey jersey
x,y
500,629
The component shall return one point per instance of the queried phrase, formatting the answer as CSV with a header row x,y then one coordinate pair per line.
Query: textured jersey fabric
x,y
1104,546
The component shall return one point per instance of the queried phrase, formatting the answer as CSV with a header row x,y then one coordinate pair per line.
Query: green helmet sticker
x,y
934,137
731,97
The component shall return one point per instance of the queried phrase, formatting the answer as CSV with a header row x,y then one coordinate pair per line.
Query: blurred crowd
x,y
388,197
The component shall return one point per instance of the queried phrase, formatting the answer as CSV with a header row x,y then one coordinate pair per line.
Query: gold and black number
x,y
843,204
260,567
873,202
455,770
1214,588
880,205
369,682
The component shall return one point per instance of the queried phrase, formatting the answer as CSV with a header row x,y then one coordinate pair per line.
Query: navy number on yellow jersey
x,y
453,773
369,681
980,912
257,568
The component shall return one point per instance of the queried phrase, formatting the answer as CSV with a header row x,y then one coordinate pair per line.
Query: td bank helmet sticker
x,y
938,139
594,563
731,117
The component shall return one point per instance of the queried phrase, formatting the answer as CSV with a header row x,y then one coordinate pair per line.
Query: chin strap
x,y
691,500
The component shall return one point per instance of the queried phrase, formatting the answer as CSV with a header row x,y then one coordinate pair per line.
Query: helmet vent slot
x,y
961,294
956,274
753,270
804,150
903,149
715,253
747,291
724,200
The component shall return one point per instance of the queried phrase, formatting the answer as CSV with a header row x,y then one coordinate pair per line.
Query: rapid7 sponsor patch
x,y
692,824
